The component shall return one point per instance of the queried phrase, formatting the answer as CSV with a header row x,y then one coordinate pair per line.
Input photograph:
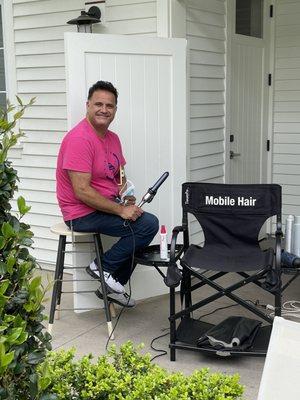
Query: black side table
x,y
151,257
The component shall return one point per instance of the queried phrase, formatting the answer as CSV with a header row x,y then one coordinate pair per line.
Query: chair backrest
x,y
231,214
280,378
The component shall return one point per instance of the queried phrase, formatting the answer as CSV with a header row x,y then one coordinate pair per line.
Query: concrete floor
x,y
88,333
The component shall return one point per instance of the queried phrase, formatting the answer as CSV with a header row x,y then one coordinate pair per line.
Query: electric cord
x,y
290,308
162,351
217,309
223,308
126,224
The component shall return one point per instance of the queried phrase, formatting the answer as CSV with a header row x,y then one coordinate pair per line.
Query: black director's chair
x,y
231,217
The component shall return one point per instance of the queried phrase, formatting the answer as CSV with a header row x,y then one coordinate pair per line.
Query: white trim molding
x,y
9,49
163,18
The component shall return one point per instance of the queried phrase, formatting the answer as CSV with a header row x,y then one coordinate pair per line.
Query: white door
x,y
248,92
150,75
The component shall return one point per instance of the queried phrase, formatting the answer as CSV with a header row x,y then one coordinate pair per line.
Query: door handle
x,y
232,154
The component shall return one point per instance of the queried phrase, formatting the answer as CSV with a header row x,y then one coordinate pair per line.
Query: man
x,y
89,178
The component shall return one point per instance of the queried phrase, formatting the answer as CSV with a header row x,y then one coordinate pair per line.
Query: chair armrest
x,y
174,275
278,247
175,232
278,229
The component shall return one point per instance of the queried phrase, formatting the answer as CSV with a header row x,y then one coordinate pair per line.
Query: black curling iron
x,y
148,197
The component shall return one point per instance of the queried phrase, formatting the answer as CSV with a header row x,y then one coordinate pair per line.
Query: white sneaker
x,y
113,285
122,299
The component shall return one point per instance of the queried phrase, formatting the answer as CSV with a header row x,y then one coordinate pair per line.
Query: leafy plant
x,y
126,374
23,343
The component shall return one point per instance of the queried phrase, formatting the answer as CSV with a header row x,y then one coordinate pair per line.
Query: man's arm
x,y
88,195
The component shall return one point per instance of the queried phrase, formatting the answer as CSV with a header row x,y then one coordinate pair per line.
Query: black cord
x,y
223,308
162,352
217,309
127,224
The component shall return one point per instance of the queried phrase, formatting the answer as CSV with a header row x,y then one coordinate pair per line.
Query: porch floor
x,y
87,332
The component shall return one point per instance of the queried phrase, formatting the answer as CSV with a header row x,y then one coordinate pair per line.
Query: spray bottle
x,y
296,236
163,243
289,233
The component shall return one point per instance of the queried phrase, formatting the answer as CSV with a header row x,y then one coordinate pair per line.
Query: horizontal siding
x,y
206,38
205,24
33,8
39,27
131,11
286,147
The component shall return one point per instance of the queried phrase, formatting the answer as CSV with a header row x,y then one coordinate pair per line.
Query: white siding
x,y
286,148
39,26
205,24
206,39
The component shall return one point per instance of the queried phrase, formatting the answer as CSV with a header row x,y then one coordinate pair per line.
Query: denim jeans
x,y
118,259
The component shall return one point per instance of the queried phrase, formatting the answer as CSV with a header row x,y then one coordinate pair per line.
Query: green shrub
x,y
126,374
23,343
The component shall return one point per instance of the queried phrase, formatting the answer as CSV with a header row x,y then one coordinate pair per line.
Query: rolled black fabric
x,y
233,332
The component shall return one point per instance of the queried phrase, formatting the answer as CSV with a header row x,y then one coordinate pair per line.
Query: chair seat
x,y
62,229
221,258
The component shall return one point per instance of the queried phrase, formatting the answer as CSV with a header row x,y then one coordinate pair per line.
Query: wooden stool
x,y
63,231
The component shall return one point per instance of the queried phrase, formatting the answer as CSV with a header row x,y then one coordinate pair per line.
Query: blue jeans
x,y
118,259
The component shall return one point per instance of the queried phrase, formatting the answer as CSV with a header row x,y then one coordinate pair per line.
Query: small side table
x,y
151,257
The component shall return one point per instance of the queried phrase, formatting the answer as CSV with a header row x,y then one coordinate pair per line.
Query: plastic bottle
x,y
289,233
163,243
128,191
296,236
290,260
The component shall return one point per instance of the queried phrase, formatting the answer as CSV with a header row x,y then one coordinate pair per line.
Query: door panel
x,y
150,75
247,112
248,87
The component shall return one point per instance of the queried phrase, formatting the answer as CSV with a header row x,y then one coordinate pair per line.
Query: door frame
x,y
269,32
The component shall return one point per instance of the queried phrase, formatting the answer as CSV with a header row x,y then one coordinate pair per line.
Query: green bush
x,y
23,343
126,374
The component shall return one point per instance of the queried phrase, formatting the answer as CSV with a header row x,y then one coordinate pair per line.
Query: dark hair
x,y
103,85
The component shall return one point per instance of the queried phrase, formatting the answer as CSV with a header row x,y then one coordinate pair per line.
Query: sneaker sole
x,y
99,294
96,277
92,274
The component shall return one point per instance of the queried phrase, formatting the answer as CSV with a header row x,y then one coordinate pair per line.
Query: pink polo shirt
x,y
82,150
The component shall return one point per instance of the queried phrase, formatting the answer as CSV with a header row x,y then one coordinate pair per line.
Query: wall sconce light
x,y
86,19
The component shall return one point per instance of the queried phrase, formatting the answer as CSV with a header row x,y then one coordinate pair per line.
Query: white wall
x,y
286,155
40,69
39,26
205,25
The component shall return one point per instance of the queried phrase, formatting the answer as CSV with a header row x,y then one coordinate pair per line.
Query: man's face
x,y
101,109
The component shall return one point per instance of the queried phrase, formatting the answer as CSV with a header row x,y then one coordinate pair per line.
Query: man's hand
x,y
129,200
131,212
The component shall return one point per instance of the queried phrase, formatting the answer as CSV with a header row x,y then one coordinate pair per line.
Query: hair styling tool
x,y
148,197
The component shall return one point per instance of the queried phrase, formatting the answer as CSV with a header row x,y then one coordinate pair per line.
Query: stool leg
x,y
60,281
58,272
98,248
112,310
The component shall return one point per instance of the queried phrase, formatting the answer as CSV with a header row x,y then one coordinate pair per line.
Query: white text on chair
x,y
229,201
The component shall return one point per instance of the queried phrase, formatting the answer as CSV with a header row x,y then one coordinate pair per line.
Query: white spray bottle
x,y
163,243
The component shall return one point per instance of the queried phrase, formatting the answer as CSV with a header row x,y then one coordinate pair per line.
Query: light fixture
x,y
86,19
